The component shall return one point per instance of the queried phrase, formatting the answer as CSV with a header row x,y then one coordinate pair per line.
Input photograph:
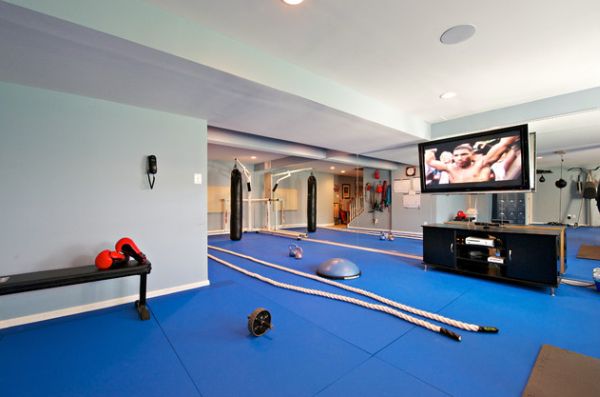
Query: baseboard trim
x,y
415,234
292,225
34,318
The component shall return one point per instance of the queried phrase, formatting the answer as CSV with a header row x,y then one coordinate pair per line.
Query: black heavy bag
x,y
235,226
598,198
589,187
589,190
311,207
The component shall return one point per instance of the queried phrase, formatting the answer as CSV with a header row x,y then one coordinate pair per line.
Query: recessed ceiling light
x,y
293,2
448,95
343,171
540,157
253,157
457,34
332,168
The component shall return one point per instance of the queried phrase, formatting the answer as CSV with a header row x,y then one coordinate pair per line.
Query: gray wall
x,y
340,180
545,200
447,205
377,219
219,175
435,208
73,183
411,219
325,193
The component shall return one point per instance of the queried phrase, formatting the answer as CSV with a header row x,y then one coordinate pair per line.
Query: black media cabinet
x,y
77,275
532,255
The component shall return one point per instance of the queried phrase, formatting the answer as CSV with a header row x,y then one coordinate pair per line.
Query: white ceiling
x,y
578,135
390,49
387,50
226,153
325,167
46,52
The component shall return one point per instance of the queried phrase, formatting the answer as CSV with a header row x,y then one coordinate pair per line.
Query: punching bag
x,y
311,206
589,187
235,226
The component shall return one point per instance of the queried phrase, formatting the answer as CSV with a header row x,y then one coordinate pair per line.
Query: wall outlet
x,y
197,179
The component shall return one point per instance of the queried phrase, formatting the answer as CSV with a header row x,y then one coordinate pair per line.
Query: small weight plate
x,y
259,321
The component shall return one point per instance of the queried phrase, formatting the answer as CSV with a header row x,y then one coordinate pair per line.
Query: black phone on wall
x,y
152,167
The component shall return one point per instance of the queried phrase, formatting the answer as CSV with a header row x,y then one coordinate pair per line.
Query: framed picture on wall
x,y
345,191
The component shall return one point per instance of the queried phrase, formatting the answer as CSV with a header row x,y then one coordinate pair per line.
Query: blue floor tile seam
x,y
404,370
308,319
342,376
454,300
407,333
412,328
187,372
361,297
400,369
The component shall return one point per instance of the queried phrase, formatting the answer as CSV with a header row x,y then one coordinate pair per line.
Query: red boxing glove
x,y
106,259
128,247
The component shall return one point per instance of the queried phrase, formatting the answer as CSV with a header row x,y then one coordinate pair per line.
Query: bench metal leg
x,y
140,305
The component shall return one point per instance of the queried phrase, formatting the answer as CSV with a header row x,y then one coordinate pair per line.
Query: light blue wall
x,y
73,182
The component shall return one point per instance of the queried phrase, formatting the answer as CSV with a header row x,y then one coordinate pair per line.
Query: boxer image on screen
x,y
471,163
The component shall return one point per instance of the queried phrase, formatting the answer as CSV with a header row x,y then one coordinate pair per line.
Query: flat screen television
x,y
495,160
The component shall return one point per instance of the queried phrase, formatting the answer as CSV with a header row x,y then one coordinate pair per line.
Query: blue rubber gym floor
x,y
197,342
581,269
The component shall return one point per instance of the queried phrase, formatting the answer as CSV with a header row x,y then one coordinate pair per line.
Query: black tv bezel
x,y
524,185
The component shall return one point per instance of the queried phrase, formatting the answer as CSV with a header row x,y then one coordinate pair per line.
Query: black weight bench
x,y
23,282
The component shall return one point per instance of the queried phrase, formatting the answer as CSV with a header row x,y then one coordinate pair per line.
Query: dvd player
x,y
484,242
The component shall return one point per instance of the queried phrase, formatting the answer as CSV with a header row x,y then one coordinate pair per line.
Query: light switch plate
x,y
197,179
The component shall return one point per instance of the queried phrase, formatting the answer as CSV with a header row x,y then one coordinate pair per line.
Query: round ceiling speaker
x,y
457,34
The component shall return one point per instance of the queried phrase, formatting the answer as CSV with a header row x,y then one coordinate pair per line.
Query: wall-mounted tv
x,y
495,160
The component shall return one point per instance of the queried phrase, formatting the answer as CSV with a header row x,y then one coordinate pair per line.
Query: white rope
x,y
398,305
343,298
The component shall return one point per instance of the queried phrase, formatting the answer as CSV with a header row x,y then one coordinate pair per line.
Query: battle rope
x,y
381,308
300,236
389,302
